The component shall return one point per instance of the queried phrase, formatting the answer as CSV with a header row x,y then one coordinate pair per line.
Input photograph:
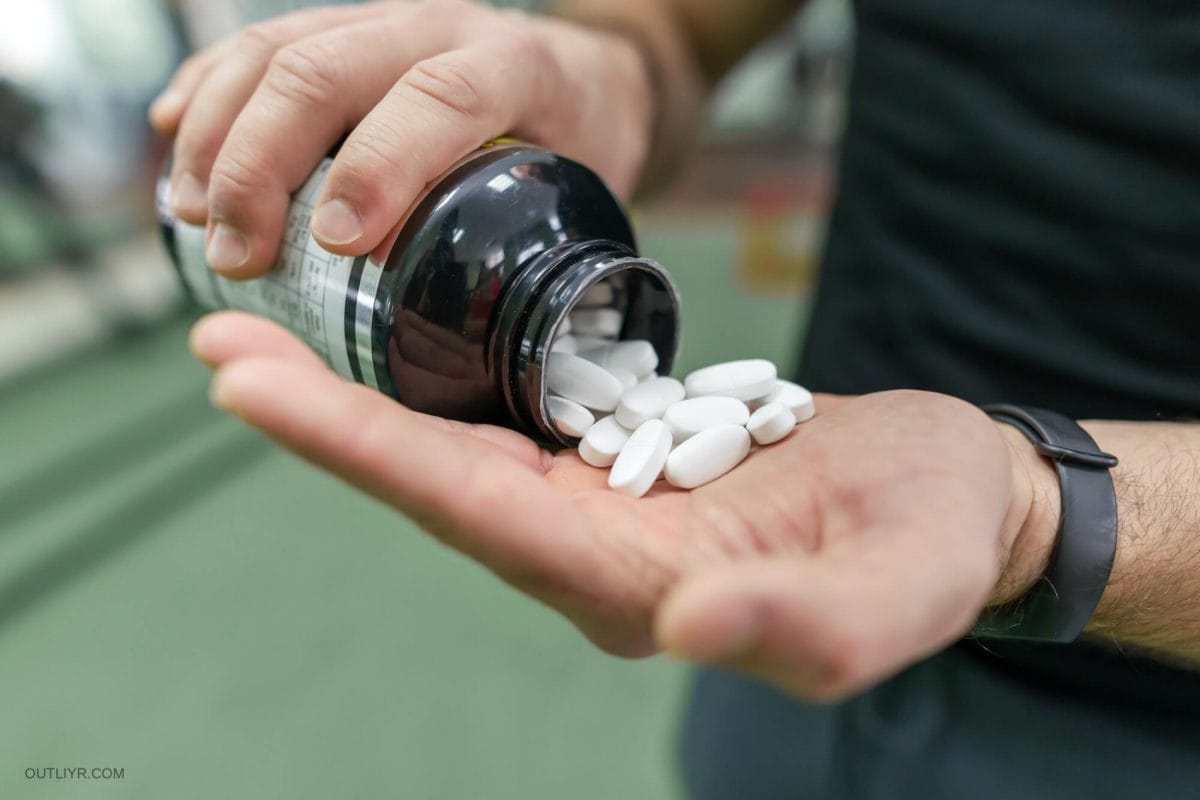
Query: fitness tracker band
x,y
1062,601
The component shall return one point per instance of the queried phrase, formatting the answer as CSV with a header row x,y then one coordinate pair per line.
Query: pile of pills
x,y
642,425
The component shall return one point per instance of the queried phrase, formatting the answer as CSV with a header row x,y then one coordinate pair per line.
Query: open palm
x,y
869,538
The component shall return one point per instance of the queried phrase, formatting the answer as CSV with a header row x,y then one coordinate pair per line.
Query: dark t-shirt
x,y
1018,220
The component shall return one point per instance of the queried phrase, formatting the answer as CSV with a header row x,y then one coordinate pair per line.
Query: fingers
x,y
322,85
228,335
207,97
474,496
167,109
443,108
826,627
255,114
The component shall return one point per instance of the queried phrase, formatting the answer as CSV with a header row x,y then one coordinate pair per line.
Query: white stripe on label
x,y
368,290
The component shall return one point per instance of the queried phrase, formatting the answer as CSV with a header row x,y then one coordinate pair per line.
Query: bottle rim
x,y
534,307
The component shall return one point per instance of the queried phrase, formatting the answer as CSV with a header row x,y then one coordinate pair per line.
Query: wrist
x,y
639,86
1031,525
674,84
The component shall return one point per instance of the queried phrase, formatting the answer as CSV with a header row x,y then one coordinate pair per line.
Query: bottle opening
x,y
619,296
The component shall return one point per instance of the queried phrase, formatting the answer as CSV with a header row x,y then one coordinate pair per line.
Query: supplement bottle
x,y
458,318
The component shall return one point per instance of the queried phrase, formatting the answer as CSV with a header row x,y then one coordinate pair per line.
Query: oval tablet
x,y
596,321
603,441
564,344
771,423
580,380
648,400
568,416
636,355
707,456
688,417
641,459
744,380
798,399
627,378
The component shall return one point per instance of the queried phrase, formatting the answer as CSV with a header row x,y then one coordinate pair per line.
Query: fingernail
x,y
337,223
228,249
188,196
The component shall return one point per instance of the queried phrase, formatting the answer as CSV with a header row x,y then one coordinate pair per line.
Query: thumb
x,y
828,626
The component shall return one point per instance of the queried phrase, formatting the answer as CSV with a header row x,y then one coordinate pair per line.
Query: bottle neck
x,y
531,309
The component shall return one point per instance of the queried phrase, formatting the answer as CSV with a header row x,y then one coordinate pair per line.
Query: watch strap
x,y
1062,601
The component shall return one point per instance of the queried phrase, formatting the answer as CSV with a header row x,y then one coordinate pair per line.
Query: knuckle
x,y
257,40
523,41
450,85
366,156
524,58
307,73
196,147
234,181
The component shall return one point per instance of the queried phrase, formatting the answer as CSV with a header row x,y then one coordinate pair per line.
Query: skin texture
x,y
823,563
418,85
1152,601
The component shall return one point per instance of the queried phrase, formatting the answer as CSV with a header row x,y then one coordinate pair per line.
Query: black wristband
x,y
1062,601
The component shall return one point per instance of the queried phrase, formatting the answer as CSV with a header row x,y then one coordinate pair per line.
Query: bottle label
x,y
327,300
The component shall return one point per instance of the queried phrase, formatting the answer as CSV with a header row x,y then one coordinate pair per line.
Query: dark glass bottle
x,y
458,318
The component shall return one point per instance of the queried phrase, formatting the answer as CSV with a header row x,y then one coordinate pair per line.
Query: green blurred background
x,y
180,600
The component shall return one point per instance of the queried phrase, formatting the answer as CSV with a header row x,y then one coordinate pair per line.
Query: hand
x,y
420,84
870,538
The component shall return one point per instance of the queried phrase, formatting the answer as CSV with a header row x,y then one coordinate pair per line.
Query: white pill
x,y
596,321
744,380
568,416
641,459
648,400
688,417
564,327
798,399
627,378
771,423
636,355
580,380
707,456
599,295
564,344
603,441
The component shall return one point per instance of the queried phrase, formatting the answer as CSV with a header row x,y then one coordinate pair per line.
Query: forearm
x,y
687,45
1152,600
1153,596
